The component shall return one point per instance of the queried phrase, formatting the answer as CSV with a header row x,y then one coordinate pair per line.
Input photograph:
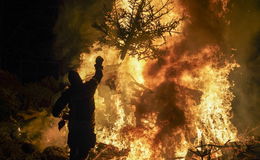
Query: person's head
x,y
74,78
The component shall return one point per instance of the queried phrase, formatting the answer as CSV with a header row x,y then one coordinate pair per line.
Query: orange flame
x,y
209,120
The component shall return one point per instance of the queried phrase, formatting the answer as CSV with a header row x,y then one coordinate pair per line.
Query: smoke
x,y
244,37
74,31
232,28
205,26
165,99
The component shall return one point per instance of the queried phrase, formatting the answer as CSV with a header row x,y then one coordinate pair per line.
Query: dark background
x,y
27,29
28,41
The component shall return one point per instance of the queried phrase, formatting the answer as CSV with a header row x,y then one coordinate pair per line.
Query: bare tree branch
x,y
134,30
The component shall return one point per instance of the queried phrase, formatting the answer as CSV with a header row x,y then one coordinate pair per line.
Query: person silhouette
x,y
80,99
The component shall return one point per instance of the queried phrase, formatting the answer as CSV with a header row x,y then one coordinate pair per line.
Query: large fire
x,y
161,114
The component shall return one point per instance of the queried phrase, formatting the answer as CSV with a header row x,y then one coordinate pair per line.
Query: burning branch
x,y
134,29
204,150
243,149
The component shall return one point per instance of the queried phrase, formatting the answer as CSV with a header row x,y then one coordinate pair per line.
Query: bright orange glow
x,y
208,120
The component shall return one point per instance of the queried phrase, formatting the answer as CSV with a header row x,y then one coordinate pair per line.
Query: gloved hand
x,y
99,61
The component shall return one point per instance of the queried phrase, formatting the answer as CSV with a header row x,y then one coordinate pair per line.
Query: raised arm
x,y
98,66
95,80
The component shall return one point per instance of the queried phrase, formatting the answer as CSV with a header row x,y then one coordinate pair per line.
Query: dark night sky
x,y
28,38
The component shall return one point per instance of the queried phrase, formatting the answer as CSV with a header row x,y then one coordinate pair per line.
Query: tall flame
x,y
207,112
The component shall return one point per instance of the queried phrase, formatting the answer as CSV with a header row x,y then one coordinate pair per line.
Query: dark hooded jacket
x,y
80,99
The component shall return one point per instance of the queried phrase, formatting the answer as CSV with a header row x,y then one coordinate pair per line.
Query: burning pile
x,y
159,109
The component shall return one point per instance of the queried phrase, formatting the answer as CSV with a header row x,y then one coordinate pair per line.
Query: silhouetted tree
x,y
134,29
